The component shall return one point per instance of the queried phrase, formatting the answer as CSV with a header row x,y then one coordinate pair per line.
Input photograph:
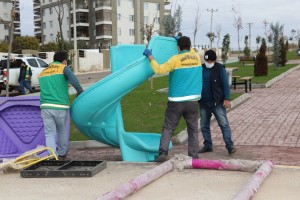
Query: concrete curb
x,y
87,144
183,136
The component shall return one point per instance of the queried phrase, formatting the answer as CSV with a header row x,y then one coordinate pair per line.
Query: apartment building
x,y
6,8
99,23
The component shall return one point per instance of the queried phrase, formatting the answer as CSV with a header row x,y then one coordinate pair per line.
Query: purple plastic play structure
x,y
21,125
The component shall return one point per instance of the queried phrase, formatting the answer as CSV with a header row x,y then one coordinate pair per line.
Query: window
x,y
5,27
146,19
51,24
44,36
119,31
42,63
43,1
131,18
119,17
52,37
5,16
130,3
146,6
50,11
158,6
44,25
32,62
131,31
119,3
43,12
50,1
4,4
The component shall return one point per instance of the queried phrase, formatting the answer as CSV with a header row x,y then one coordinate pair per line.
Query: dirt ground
x,y
282,183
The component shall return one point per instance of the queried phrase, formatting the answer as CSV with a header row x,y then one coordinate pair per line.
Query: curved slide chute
x,y
97,111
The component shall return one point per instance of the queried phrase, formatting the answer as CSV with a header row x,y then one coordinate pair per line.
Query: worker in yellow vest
x,y
25,78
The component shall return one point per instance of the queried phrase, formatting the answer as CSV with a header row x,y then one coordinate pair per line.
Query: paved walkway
x,y
266,127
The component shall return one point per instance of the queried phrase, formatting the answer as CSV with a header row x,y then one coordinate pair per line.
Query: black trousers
x,y
174,111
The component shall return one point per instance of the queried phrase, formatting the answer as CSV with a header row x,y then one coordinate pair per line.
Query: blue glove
x,y
177,37
147,52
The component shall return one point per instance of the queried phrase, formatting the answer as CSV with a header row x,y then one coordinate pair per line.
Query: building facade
x,y
6,8
99,23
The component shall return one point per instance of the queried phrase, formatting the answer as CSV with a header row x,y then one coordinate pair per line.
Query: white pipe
x,y
254,182
139,182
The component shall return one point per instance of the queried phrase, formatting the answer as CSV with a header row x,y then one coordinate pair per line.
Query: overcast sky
x,y
252,11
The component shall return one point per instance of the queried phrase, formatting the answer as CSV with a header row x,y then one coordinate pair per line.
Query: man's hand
x,y
226,104
147,52
177,38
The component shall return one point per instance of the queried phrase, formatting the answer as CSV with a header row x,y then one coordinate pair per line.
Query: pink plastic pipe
x,y
139,182
254,182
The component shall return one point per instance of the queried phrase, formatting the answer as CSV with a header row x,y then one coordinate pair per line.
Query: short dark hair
x,y
60,56
184,43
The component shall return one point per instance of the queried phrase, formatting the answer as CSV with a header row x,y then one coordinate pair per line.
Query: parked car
x,y
298,52
37,65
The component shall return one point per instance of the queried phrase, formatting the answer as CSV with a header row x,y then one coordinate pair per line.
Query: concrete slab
x,y
282,183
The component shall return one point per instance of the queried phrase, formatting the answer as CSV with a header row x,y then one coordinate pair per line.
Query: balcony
x,y
103,3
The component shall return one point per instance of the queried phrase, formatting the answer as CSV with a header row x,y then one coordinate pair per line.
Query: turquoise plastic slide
x,y
97,111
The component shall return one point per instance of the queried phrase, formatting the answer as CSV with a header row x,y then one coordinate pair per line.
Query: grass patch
x,y
144,108
248,70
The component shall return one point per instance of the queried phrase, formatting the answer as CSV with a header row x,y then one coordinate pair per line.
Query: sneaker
x,y
62,157
162,157
205,149
232,150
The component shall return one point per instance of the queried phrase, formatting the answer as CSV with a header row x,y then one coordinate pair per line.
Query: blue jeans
x,y
55,130
25,84
219,111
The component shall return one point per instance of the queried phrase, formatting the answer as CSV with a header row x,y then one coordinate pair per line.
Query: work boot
x,y
205,149
231,150
162,157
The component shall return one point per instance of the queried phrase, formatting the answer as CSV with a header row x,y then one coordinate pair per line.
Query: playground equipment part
x,y
29,158
97,111
21,125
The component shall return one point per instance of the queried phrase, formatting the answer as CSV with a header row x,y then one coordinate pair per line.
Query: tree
x,y
246,49
211,36
148,30
225,48
62,45
25,42
261,61
60,16
277,33
196,24
258,39
238,24
283,51
172,24
50,46
4,46
218,31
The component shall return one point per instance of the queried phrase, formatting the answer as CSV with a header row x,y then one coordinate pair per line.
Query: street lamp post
x,y
75,38
11,31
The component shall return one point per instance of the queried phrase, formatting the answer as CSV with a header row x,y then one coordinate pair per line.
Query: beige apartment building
x,y
6,8
99,23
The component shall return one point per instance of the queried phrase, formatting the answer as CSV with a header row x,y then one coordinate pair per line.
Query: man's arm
x,y
72,79
157,68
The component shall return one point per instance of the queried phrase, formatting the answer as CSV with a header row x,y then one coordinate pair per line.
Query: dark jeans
x,y
27,85
219,111
174,111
